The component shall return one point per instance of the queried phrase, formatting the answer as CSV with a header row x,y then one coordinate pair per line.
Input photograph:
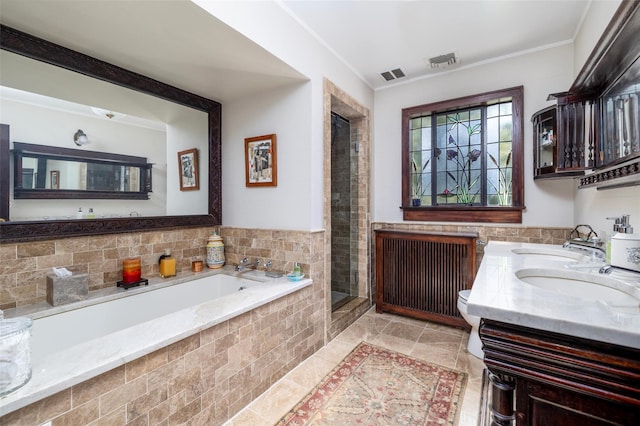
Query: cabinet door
x,y
544,137
539,404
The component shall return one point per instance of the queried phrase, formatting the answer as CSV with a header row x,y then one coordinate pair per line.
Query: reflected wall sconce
x,y
80,138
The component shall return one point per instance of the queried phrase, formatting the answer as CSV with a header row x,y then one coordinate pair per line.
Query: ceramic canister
x,y
215,251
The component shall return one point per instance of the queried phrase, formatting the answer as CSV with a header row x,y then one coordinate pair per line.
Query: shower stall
x,y
344,212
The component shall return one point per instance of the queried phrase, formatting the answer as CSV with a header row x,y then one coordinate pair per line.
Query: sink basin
x,y
546,253
585,286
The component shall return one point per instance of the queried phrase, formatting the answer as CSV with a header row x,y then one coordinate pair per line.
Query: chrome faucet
x,y
244,265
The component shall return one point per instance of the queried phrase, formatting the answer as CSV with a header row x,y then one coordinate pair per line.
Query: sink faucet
x,y
244,265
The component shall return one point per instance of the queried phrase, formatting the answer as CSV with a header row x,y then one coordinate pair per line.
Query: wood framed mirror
x,y
42,50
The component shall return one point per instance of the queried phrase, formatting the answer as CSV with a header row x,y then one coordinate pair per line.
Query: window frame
x,y
462,213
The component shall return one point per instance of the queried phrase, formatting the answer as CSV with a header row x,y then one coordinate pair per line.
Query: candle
x,y
131,270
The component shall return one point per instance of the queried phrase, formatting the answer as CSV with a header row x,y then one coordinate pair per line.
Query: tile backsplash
x,y
24,266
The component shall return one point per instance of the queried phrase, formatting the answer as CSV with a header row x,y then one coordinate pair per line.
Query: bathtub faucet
x,y
244,265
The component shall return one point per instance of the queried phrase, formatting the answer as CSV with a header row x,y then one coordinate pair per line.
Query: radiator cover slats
x,y
420,274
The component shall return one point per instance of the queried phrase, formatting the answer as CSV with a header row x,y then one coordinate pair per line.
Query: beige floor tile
x,y
403,330
248,417
430,337
278,400
311,372
444,354
424,340
337,349
469,364
366,328
398,344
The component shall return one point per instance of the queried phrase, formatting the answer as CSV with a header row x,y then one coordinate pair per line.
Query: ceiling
x,y
177,42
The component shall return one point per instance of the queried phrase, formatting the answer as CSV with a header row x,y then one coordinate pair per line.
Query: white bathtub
x,y
100,319
73,343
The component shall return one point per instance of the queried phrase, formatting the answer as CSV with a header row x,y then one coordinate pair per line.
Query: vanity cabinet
x,y
544,378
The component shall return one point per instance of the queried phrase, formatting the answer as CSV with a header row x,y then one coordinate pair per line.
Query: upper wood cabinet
x,y
598,118
557,152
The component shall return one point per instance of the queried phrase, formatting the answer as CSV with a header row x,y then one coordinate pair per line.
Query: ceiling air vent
x,y
443,61
393,74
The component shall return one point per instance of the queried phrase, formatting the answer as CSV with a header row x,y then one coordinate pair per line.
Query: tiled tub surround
x,y
204,378
202,363
23,266
499,295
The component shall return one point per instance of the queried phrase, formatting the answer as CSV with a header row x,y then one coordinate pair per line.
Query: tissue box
x,y
68,289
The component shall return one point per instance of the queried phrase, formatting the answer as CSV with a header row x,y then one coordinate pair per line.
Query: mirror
x,y
45,172
32,47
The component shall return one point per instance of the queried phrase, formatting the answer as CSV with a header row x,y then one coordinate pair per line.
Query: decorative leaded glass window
x,y
464,158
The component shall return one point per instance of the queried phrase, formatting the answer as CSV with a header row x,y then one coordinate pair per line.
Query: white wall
x,y
296,118
540,72
287,113
599,13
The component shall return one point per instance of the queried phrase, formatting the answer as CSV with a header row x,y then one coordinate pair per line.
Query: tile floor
x,y
421,339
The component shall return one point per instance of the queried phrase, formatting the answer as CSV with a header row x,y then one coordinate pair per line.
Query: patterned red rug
x,y
375,386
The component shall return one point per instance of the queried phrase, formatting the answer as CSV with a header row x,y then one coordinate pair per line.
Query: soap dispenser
x,y
625,246
167,264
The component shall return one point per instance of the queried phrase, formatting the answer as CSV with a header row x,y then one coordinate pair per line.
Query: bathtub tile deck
x,y
420,339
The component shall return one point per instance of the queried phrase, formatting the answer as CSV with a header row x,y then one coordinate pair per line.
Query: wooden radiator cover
x,y
419,274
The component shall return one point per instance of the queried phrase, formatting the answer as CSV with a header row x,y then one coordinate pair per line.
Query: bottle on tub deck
x,y
215,251
167,264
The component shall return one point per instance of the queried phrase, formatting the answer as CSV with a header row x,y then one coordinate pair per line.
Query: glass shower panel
x,y
344,212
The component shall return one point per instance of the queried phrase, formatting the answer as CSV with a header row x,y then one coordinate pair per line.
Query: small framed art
x,y
188,169
260,161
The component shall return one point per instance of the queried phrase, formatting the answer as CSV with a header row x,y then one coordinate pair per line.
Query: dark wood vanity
x,y
544,378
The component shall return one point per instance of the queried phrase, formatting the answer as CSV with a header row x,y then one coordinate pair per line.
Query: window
x,y
463,159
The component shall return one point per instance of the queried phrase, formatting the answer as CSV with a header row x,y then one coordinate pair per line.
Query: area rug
x,y
375,386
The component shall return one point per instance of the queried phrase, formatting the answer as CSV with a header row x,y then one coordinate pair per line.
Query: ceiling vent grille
x,y
393,74
443,61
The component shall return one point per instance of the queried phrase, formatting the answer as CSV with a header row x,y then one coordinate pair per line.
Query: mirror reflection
x,y
47,105
45,173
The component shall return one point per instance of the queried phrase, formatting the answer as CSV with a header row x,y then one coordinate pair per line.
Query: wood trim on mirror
x,y
36,48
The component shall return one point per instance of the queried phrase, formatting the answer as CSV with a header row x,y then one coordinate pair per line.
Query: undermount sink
x,y
546,253
585,286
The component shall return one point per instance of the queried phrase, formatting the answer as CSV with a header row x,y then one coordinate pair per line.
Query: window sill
x,y
463,214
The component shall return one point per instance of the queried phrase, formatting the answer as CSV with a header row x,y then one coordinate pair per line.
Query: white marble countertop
x,y
499,295
57,372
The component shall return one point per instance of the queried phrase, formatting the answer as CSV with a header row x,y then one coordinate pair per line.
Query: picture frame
x,y
54,179
261,167
188,170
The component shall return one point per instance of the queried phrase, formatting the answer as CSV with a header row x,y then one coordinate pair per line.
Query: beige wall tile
x,y
80,415
35,249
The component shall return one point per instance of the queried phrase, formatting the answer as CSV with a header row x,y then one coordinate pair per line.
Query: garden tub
x,y
76,342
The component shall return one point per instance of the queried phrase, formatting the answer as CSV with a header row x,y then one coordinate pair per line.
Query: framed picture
x,y
188,169
54,179
260,161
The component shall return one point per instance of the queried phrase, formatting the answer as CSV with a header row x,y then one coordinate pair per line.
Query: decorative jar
x,y
215,251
